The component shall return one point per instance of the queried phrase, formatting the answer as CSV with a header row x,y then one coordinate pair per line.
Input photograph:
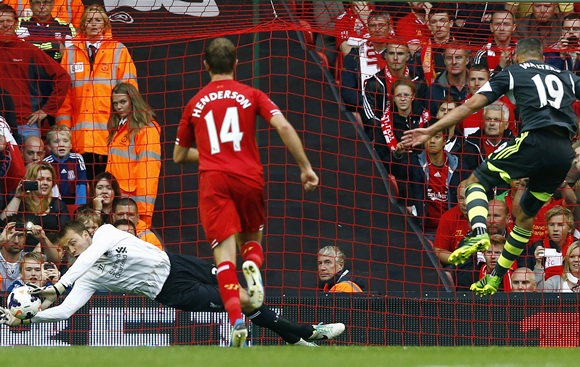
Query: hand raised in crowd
x,y
36,117
50,272
539,254
98,203
505,58
8,233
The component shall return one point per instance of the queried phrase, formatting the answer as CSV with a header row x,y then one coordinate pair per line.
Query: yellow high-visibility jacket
x,y
87,106
135,161
69,11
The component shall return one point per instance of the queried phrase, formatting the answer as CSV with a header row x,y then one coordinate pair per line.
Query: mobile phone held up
x,y
30,185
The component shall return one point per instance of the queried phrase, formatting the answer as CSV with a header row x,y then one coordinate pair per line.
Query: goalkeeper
x,y
117,261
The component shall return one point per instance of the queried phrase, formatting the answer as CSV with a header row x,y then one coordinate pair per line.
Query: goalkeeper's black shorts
x,y
191,285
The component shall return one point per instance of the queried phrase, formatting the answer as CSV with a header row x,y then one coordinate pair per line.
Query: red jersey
x,y
554,265
437,194
221,120
410,28
348,25
474,122
453,226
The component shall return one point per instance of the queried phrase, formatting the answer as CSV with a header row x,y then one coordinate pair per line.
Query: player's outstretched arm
x,y
292,141
416,137
185,155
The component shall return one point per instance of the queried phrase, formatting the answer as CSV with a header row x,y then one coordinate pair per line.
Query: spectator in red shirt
x,y
497,53
352,25
491,256
497,225
412,28
453,227
12,168
481,144
23,66
430,58
478,76
538,256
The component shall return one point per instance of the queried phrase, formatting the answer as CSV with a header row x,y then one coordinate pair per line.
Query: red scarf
x,y
556,270
389,129
390,78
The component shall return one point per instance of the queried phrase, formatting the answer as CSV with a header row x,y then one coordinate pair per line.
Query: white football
x,y
23,305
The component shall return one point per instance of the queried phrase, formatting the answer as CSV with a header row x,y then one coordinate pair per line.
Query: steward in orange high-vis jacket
x,y
96,64
134,148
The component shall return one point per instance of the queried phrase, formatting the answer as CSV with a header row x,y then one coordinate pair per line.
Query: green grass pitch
x,y
287,356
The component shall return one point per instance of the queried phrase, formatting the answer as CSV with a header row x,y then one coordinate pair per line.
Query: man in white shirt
x,y
117,261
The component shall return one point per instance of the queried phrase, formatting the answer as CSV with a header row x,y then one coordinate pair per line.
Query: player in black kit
x,y
542,151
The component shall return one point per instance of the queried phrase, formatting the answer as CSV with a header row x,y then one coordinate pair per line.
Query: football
x,y
23,305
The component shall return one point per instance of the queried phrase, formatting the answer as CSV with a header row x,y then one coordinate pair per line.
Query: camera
x,y
49,266
572,41
30,185
24,227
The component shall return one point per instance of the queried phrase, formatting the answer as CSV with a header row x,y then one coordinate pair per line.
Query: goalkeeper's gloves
x,y
51,291
34,289
7,318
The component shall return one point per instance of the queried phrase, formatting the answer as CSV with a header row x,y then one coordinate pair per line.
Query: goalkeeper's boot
x,y
254,281
239,334
326,331
486,286
471,244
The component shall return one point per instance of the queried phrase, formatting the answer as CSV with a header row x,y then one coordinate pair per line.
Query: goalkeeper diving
x,y
117,261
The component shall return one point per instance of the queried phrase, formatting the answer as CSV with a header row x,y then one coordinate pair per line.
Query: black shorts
x,y
191,285
541,154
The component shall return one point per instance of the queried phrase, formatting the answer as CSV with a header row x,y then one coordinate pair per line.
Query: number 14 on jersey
x,y
229,132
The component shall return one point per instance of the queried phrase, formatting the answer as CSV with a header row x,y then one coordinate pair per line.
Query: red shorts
x,y
229,205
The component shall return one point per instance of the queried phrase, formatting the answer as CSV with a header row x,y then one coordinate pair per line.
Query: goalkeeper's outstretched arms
x,y
77,298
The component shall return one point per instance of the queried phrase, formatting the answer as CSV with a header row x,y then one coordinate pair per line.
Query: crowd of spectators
x,y
76,136
419,60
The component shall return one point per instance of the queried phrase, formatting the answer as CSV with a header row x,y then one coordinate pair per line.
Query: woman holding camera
x,y
34,206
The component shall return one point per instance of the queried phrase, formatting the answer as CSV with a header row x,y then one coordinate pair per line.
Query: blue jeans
x,y
25,131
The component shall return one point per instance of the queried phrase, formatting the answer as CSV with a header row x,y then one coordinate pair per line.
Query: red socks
x,y
229,288
252,250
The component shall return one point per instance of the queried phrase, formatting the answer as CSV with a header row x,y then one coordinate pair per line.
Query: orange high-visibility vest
x,y
87,106
69,11
135,161
148,236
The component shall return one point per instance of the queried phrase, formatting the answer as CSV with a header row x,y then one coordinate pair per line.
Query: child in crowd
x,y
90,218
69,166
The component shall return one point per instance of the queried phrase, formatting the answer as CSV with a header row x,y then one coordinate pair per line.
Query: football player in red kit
x,y
220,120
